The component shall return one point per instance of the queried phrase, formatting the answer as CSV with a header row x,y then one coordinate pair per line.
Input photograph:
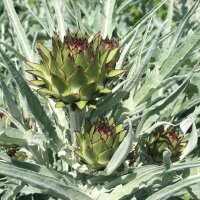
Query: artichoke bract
x,y
97,146
161,139
77,70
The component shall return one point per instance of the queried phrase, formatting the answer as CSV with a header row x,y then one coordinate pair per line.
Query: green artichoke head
x,y
76,70
161,139
97,146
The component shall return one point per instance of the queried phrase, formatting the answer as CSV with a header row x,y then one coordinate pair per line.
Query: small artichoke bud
x,y
161,139
97,146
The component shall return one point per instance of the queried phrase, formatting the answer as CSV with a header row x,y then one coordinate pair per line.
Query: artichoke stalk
x,y
76,71
161,139
97,146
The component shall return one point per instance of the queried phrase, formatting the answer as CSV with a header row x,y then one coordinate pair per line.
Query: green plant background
x,y
160,42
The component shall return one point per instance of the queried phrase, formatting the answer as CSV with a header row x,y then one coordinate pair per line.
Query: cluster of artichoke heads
x,y
77,70
160,139
96,146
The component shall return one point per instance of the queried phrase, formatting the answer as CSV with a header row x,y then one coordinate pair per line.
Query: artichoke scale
x,y
59,86
89,155
45,51
81,60
55,68
68,66
104,157
71,98
77,79
99,146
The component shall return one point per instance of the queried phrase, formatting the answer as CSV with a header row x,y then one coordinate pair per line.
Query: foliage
x,y
159,45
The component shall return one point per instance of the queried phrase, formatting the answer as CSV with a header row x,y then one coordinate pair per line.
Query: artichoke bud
x,y
76,71
97,146
17,154
161,139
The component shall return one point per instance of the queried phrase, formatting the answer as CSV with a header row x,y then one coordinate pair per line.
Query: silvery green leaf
x,y
170,190
169,66
185,124
32,102
157,124
49,185
49,19
20,56
144,174
142,21
12,119
177,35
19,29
124,5
121,153
126,51
13,190
14,136
40,21
192,143
60,18
107,18
177,105
147,126
10,103
162,104
133,185
138,69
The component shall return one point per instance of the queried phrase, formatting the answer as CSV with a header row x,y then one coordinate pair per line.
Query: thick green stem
x,y
76,119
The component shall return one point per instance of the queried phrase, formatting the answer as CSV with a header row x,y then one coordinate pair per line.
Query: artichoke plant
x,y
97,146
161,139
161,87
77,70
